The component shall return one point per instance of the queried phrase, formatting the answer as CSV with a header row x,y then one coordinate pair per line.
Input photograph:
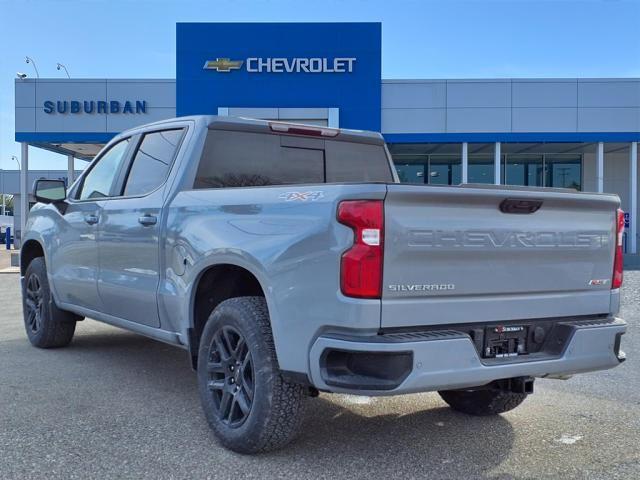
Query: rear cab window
x,y
242,159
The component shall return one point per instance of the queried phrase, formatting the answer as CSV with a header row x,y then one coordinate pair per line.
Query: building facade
x,y
569,133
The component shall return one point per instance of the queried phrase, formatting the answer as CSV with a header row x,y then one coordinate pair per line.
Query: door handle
x,y
147,220
91,219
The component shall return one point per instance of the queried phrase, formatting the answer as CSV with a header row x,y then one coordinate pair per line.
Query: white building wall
x,y
511,106
30,95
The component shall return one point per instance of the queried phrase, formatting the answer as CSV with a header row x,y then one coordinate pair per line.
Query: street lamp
x,y
62,66
17,161
30,60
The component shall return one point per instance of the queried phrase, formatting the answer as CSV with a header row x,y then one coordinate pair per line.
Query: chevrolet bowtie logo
x,y
223,64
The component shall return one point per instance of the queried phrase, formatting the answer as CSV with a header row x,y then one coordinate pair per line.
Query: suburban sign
x,y
94,106
284,65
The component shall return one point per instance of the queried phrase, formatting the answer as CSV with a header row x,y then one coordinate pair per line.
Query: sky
x,y
421,39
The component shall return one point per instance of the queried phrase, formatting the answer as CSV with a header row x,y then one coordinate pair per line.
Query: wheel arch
x,y
31,249
214,284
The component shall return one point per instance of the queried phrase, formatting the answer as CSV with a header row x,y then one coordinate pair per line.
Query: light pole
x,y
19,168
62,66
30,60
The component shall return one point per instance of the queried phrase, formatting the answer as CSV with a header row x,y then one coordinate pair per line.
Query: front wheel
x,y
249,405
47,326
482,402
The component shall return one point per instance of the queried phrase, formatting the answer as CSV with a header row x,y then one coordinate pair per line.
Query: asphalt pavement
x,y
118,405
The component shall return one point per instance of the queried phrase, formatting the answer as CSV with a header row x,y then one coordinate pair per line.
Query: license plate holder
x,y
505,341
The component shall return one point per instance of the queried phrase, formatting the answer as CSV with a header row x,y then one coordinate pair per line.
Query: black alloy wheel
x,y
231,376
34,302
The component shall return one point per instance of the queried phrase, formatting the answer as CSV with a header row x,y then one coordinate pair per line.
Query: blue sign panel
x,y
281,65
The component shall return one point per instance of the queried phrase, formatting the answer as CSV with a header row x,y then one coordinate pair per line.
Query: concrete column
x,y
600,168
633,197
496,164
333,119
70,170
24,189
465,162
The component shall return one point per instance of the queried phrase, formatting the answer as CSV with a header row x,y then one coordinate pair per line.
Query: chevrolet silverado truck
x,y
288,260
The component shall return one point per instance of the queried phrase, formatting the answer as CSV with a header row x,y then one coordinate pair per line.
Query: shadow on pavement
x,y
388,436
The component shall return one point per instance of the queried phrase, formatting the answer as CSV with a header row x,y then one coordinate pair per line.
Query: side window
x,y
152,161
242,159
98,182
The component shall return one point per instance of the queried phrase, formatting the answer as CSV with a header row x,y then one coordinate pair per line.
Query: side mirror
x,y
49,191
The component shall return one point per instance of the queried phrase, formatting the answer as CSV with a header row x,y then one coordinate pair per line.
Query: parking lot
x,y
117,405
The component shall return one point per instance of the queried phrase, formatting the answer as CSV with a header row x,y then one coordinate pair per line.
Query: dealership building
x,y
554,132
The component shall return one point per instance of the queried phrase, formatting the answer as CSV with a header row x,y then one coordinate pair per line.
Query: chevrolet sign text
x,y
284,65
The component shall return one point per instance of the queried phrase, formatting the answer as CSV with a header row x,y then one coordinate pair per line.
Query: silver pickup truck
x,y
287,260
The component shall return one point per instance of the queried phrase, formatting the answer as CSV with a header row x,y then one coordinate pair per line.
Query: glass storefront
x,y
563,171
523,169
432,163
534,165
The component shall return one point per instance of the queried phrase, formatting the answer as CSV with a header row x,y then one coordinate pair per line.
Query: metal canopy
x,y
83,151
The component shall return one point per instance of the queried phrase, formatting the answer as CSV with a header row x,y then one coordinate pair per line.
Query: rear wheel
x,y
47,326
249,405
482,402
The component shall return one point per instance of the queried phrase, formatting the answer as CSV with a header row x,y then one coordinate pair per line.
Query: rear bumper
x,y
443,360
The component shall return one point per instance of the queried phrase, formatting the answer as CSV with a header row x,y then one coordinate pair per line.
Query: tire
x,y
47,326
249,405
482,402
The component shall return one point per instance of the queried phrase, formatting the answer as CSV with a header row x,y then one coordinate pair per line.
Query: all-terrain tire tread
x,y
282,420
288,407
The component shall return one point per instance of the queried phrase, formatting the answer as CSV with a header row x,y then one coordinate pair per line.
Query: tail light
x,y
361,265
617,262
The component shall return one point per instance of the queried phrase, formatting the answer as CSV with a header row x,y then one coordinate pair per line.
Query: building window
x,y
431,163
411,170
445,169
564,171
523,169
543,165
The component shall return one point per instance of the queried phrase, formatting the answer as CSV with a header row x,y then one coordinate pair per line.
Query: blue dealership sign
x,y
284,65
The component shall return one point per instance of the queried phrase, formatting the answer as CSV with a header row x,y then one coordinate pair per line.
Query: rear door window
x,y
152,161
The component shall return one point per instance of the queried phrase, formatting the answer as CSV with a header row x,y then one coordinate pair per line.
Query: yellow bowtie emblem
x,y
223,64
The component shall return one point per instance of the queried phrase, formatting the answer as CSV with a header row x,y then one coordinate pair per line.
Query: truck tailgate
x,y
451,254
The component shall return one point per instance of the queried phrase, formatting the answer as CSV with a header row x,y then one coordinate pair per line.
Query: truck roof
x,y
216,122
